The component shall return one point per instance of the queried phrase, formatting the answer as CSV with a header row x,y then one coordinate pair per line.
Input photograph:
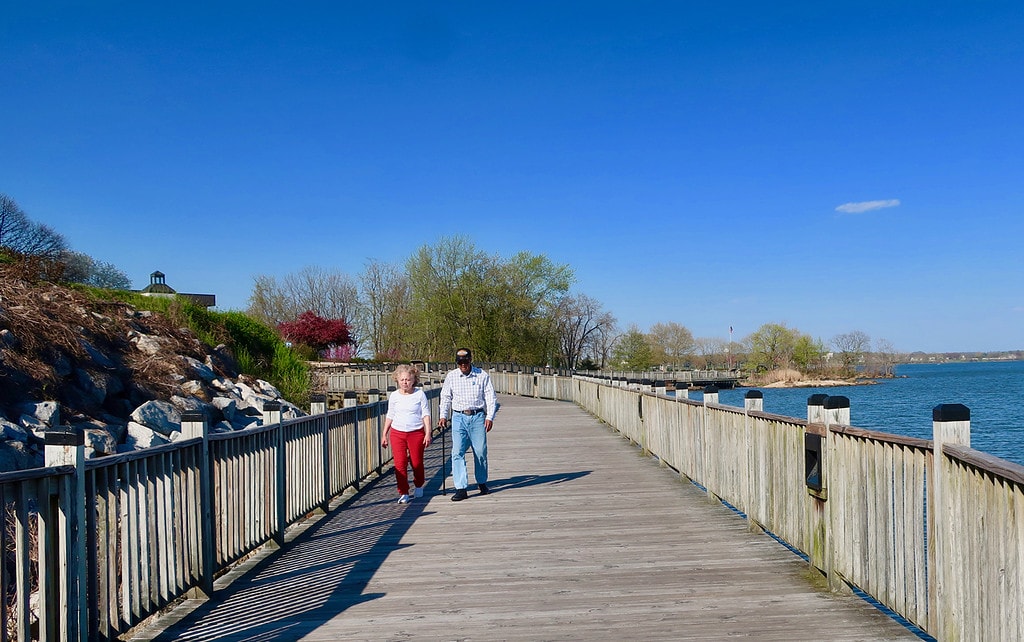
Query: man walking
x,y
469,394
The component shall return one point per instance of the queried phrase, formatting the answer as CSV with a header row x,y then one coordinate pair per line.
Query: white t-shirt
x,y
406,412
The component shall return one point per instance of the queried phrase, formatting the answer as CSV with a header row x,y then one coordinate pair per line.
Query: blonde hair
x,y
403,369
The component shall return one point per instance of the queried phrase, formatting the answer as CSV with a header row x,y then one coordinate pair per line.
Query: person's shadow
x,y
521,481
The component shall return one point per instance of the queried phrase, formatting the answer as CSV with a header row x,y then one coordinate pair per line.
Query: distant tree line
x,y
520,308
449,294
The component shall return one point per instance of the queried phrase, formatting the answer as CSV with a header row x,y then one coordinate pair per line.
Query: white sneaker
x,y
404,499
418,492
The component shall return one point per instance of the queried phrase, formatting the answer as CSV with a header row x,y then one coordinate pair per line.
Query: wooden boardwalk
x,y
581,538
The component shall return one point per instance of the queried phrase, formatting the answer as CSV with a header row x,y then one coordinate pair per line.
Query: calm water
x,y
994,391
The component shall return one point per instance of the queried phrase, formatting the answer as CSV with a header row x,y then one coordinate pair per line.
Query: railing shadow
x,y
322,572
326,569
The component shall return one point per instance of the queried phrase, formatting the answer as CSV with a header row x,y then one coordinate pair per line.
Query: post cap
x,y
836,401
951,412
350,394
817,399
271,406
317,398
192,417
754,394
65,436
710,390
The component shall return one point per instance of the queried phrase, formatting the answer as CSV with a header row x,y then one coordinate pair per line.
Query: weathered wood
x,y
581,538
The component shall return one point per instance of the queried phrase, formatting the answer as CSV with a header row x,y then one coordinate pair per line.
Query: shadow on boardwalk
x,y
582,538
280,596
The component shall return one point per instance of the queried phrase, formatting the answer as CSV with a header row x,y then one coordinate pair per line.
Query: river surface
x,y
994,392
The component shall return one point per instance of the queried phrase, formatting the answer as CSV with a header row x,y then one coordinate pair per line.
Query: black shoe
x,y
483,489
460,494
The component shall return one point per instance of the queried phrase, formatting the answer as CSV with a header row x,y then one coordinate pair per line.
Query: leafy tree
x,y
671,343
771,346
315,331
632,351
807,353
502,309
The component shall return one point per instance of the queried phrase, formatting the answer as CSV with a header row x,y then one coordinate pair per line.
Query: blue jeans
x,y
466,431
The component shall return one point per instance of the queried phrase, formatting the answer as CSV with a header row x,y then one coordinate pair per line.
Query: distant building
x,y
158,287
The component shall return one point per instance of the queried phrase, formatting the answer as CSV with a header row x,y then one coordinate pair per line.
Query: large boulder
x,y
160,416
140,436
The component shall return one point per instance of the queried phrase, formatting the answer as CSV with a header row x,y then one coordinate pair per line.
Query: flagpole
x,y
729,349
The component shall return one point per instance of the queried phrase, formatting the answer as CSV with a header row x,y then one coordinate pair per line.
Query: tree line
x,y
519,309
522,309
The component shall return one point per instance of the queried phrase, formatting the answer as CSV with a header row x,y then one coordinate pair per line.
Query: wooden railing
x,y
93,548
931,529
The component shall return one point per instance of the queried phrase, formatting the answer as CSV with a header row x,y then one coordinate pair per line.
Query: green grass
x,y
257,348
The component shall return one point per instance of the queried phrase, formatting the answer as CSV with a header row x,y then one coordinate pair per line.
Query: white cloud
x,y
867,206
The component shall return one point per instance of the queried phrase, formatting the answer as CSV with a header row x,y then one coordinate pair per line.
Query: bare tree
x,y
26,237
710,351
82,268
328,294
384,302
884,358
851,347
579,322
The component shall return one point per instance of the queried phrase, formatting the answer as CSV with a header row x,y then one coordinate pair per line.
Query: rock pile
x,y
122,375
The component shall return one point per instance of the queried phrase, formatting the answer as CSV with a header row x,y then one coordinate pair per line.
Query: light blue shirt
x,y
468,391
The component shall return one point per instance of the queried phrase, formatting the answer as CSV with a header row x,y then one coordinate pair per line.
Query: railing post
x,y
194,426
711,441
272,416
753,401
951,424
67,617
318,406
815,408
835,410
682,391
349,399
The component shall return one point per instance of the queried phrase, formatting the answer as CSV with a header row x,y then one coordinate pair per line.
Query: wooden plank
x,y
582,537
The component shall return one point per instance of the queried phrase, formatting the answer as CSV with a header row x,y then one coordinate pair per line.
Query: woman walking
x,y
407,429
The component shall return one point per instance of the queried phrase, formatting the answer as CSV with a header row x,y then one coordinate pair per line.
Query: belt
x,y
470,411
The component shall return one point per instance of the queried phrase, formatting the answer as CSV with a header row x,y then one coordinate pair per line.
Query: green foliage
x,y
257,348
503,309
632,351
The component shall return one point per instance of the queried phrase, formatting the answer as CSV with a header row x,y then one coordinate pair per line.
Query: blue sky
x,y
834,166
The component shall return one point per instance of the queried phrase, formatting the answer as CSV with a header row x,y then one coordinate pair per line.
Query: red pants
x,y
406,447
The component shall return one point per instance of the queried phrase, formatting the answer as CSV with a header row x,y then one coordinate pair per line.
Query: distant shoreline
x,y
812,383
